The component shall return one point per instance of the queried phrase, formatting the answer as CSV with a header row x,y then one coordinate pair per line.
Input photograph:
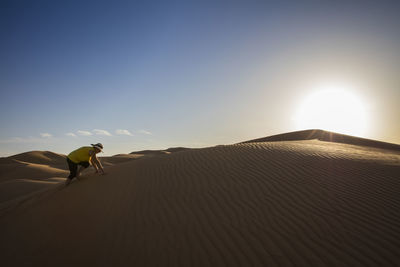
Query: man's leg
x,y
83,165
72,168
81,168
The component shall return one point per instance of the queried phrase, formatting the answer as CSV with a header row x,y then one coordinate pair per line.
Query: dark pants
x,y
73,167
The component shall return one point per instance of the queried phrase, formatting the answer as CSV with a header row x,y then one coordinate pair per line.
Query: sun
x,y
332,109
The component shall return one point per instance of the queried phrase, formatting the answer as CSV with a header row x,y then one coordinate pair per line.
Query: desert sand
x,y
295,202
25,175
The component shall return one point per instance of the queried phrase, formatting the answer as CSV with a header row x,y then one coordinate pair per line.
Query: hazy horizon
x,y
154,75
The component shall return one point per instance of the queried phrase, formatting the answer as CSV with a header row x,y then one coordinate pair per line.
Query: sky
x,y
139,75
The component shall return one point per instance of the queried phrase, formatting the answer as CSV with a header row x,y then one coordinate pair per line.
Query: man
x,y
83,156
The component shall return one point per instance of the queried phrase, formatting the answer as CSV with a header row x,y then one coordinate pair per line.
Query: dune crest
x,y
326,136
40,157
159,152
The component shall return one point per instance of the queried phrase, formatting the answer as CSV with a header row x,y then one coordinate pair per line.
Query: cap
x,y
98,146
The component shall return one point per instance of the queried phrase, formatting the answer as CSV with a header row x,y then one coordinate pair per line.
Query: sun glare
x,y
333,110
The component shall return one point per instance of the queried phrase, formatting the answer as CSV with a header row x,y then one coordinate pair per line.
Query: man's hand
x,y
100,171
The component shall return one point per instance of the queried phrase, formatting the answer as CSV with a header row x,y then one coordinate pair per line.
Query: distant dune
x,y
40,157
295,202
32,165
159,152
326,136
116,159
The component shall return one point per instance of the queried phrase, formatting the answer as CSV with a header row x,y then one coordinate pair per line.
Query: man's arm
x,y
96,164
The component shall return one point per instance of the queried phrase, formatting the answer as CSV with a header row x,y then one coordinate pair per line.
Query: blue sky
x,y
192,73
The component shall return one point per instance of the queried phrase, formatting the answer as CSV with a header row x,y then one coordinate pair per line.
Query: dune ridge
x,y
297,203
323,135
40,157
159,151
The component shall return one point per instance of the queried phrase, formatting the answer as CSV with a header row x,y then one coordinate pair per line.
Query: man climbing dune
x,y
83,156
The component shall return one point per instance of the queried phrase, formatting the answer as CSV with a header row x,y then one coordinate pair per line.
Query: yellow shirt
x,y
81,154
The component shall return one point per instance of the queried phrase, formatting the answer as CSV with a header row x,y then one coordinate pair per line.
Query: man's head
x,y
98,147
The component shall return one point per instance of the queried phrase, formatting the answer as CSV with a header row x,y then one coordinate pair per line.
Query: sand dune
x,y
32,172
159,152
24,174
327,136
40,157
291,203
116,159
32,165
